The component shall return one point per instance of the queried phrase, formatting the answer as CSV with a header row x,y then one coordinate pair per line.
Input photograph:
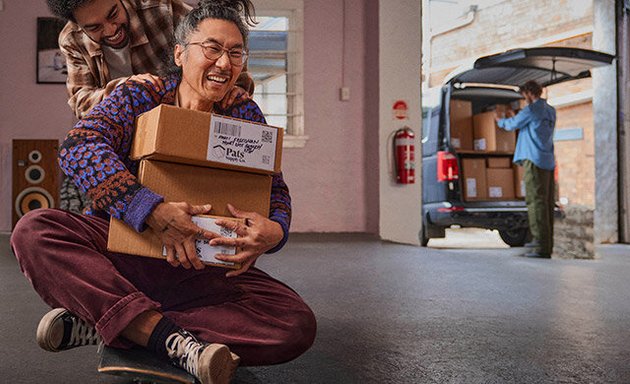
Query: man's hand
x,y
256,236
172,223
236,94
149,78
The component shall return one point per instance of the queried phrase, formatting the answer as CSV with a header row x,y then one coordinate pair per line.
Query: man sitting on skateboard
x,y
203,320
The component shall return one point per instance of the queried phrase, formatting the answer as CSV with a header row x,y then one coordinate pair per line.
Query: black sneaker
x,y
60,330
210,363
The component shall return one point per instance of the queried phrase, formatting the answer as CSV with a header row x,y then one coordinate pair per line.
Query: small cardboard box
x,y
474,180
519,181
500,183
461,124
185,136
499,162
488,137
502,110
148,244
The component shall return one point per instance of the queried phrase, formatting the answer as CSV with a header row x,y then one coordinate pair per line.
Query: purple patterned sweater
x,y
95,155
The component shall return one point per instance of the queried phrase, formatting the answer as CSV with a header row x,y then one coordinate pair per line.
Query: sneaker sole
x,y
220,364
43,328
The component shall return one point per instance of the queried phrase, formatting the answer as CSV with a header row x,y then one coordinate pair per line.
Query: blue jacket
x,y
536,123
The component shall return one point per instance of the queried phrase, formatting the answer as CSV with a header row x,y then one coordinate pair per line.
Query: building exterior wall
x,y
530,24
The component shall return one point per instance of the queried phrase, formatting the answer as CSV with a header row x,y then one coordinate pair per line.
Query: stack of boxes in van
x,y
484,150
200,158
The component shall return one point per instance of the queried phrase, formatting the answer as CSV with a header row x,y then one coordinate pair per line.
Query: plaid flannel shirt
x,y
152,24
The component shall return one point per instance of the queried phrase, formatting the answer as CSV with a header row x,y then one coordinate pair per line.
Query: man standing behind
x,y
106,42
534,151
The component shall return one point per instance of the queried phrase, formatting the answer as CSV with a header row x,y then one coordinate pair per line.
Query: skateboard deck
x,y
141,366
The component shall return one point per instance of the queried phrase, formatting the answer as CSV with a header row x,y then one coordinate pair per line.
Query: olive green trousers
x,y
539,196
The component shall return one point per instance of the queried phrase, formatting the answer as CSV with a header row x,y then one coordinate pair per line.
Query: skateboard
x,y
141,367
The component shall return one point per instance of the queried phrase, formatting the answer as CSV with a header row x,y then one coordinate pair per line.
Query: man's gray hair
x,y
240,12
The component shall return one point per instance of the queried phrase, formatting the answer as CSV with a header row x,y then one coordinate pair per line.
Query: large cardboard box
x,y
195,185
202,185
461,124
474,181
490,138
499,162
500,183
185,136
124,239
519,181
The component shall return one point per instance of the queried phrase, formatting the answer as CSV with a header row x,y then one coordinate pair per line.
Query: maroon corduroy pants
x,y
65,257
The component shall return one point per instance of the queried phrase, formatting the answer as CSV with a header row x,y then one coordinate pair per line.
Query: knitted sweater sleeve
x,y
95,155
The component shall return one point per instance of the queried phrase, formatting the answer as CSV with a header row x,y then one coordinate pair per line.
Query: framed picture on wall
x,y
51,64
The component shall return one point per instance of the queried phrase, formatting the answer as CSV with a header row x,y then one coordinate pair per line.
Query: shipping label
x,y
236,142
480,144
495,191
471,187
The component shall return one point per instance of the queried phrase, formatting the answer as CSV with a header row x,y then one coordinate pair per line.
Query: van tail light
x,y
450,209
447,169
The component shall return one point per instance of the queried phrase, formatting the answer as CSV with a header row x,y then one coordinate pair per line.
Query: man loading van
x,y
534,151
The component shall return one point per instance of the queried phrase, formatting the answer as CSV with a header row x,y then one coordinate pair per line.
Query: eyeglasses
x,y
214,51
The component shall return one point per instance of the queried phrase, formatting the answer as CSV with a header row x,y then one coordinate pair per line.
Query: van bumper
x,y
506,215
503,217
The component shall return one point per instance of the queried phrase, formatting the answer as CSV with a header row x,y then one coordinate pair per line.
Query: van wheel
x,y
424,238
515,237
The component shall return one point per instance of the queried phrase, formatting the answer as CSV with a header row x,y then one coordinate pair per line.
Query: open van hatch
x,y
546,65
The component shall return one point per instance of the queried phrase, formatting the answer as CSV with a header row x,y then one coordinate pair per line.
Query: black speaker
x,y
35,176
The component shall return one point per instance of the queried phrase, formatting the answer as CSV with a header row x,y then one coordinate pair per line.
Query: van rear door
x,y
545,65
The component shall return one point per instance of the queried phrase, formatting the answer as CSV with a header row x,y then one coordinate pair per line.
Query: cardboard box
x,y
461,124
149,245
474,180
201,185
490,138
195,185
499,162
502,110
500,183
519,181
185,136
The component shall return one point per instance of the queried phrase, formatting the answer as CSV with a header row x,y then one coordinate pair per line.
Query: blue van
x,y
488,81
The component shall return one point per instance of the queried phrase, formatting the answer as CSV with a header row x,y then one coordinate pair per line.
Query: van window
x,y
430,128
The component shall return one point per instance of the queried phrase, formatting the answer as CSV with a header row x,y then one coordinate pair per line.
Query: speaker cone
x,y
34,156
33,198
34,174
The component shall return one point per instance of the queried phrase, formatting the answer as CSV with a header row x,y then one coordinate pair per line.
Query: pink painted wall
x,y
332,179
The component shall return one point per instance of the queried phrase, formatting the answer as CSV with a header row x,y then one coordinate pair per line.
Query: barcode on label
x,y
267,137
222,128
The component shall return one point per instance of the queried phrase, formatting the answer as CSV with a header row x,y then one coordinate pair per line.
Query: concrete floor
x,y
390,313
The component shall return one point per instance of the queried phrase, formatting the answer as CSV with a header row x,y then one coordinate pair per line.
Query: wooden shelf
x,y
483,153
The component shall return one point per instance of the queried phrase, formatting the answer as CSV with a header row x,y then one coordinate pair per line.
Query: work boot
x,y
532,244
60,330
210,363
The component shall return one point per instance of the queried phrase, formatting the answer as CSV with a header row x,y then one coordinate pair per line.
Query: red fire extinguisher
x,y
405,158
